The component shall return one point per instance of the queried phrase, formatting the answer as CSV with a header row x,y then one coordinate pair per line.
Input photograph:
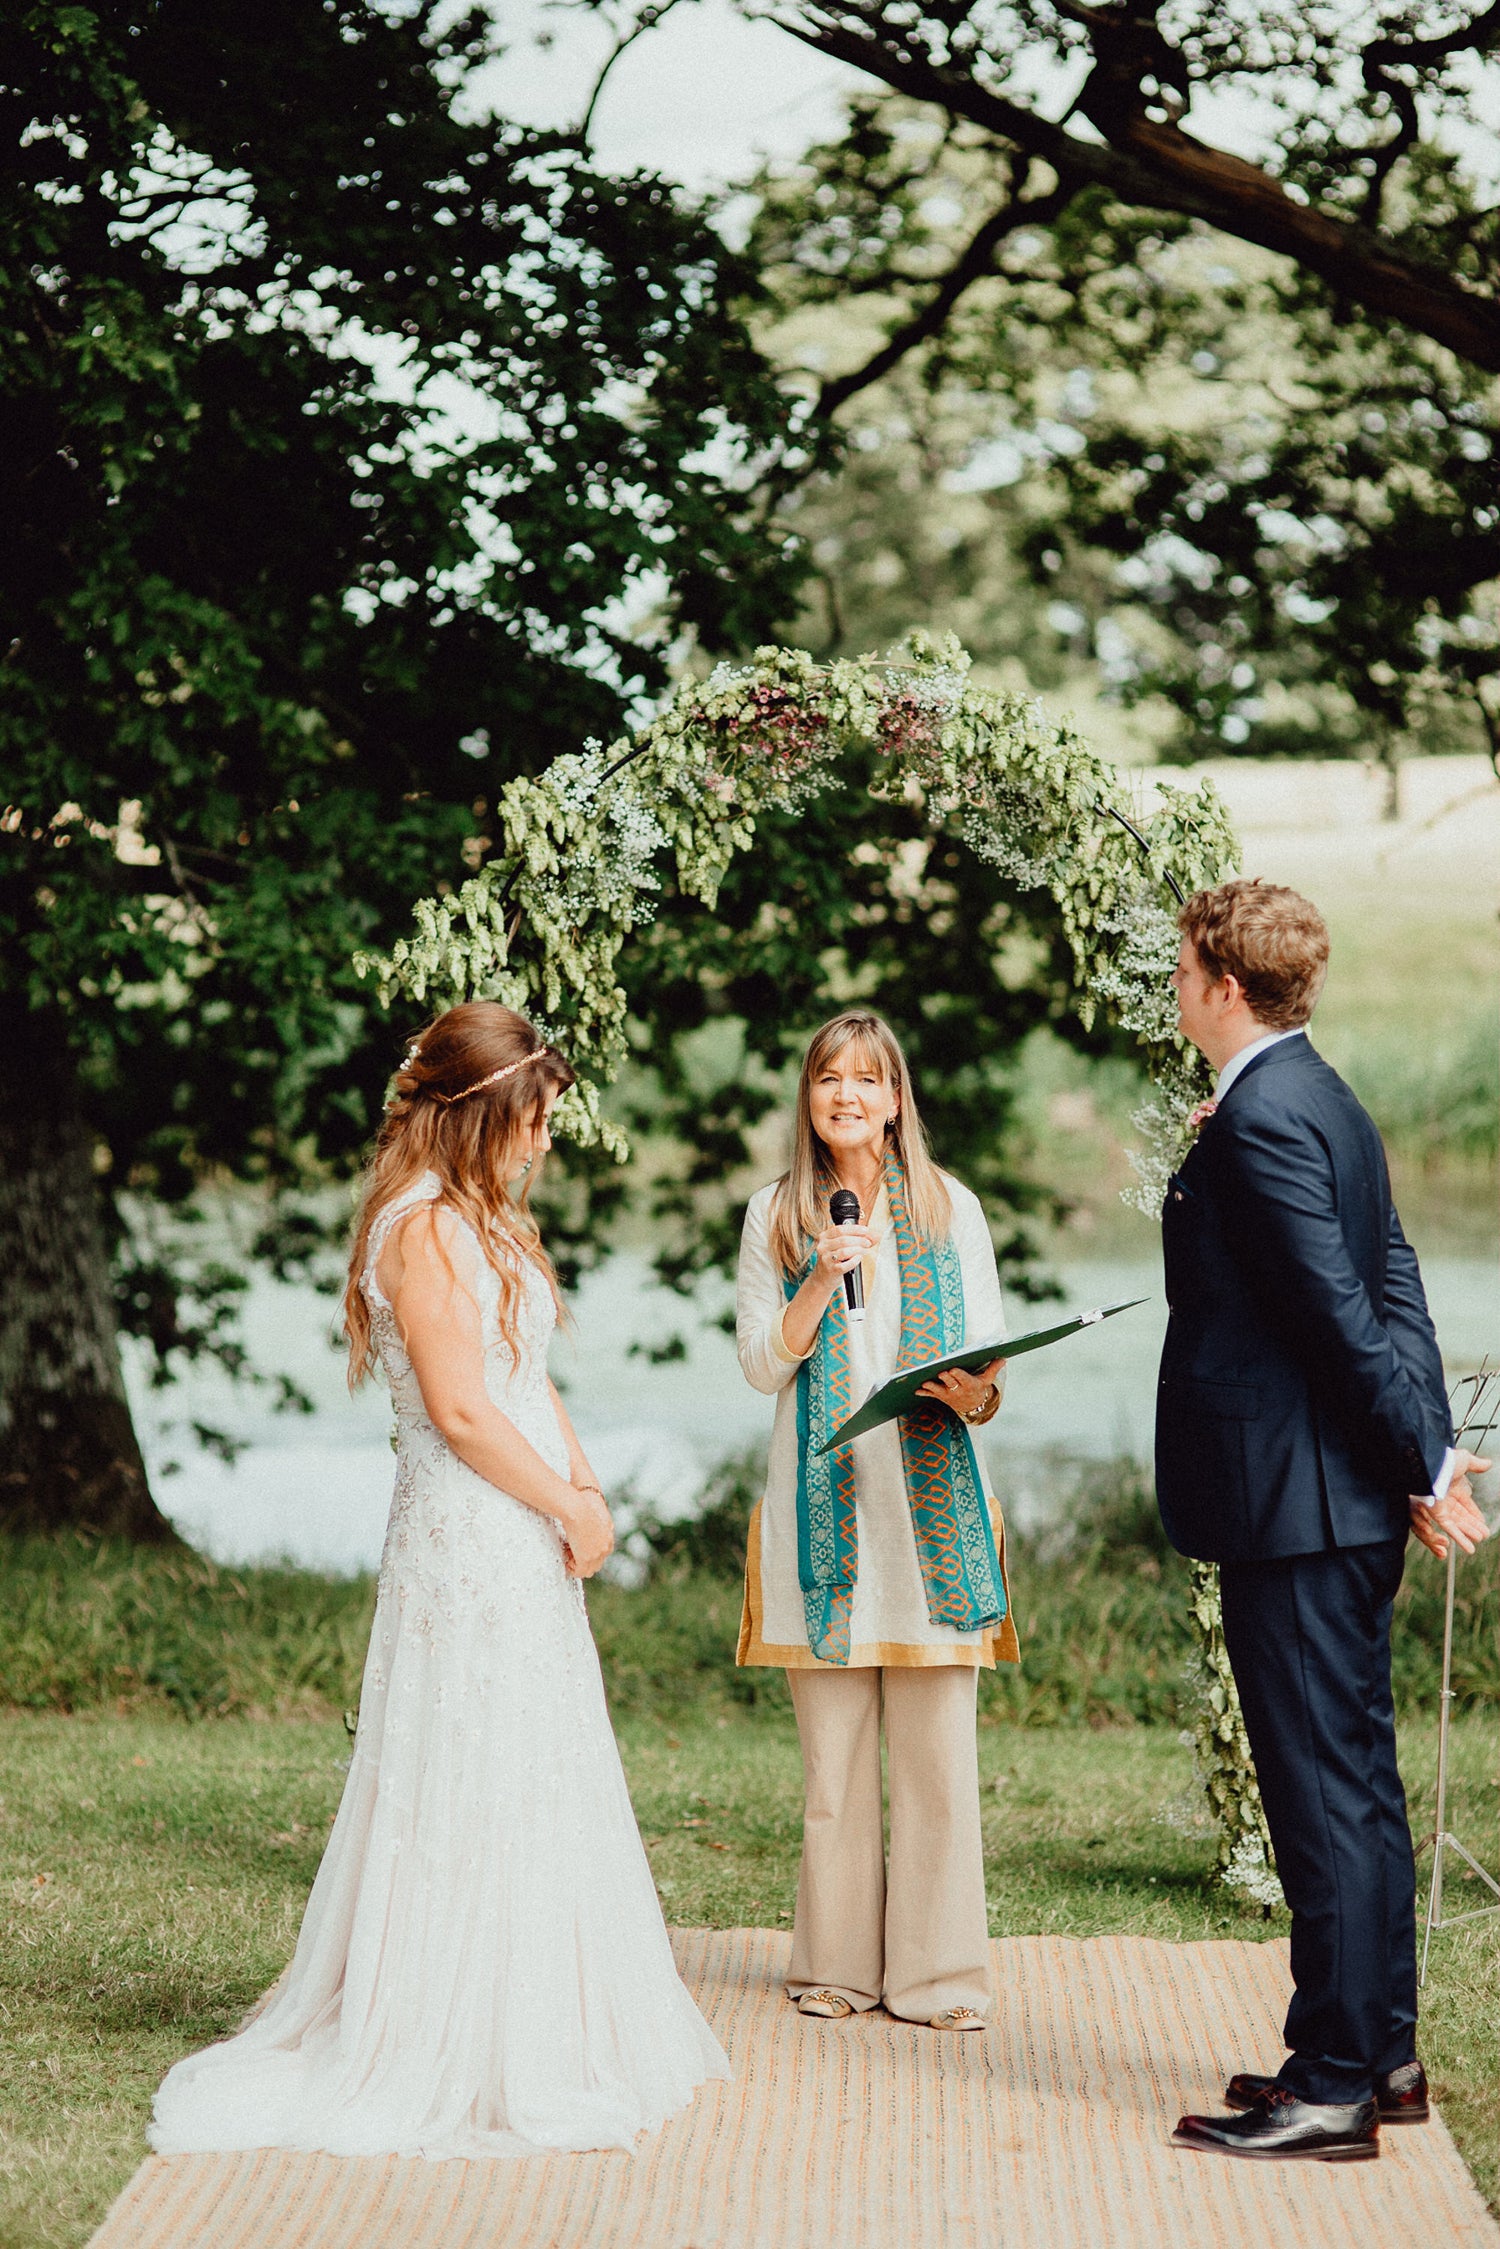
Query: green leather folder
x,y
898,1395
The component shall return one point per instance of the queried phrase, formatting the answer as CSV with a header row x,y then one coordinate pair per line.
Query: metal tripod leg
x,y
1440,1839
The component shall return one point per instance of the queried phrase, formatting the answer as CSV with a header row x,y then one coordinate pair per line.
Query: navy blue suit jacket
x,y
1301,1397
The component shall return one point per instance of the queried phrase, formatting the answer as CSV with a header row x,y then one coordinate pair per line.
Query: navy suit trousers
x,y
1309,1637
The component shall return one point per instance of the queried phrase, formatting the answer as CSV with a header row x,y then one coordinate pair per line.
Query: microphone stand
x,y
1486,1391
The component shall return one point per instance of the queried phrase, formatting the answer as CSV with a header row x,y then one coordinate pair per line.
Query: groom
x,y
1301,1401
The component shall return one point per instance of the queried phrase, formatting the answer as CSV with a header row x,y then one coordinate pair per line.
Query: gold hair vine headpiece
x,y
507,1071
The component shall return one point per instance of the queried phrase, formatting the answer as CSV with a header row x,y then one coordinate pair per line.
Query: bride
x,y
483,1969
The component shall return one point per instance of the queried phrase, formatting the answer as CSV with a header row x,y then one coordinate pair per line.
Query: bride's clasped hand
x,y
483,1969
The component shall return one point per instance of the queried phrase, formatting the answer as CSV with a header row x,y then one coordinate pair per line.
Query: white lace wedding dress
x,y
483,1969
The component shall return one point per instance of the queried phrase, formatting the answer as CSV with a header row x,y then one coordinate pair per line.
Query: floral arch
x,y
541,927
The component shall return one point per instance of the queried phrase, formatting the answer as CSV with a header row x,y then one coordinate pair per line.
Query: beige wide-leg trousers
x,y
918,1936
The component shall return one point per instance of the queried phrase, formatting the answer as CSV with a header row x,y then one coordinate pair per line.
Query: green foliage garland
x,y
1221,1748
541,926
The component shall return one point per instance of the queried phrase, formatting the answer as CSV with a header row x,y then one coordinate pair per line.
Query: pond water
x,y
315,1489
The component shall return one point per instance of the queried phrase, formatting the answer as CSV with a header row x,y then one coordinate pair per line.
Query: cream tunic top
x,y
889,1623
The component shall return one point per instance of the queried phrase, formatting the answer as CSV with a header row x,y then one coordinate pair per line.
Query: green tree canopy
x,y
358,456
1284,418
1129,106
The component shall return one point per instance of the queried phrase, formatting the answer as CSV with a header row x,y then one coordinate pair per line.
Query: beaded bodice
x,y
516,1381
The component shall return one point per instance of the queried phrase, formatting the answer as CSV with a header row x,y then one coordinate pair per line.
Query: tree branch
x,y
1482,32
1408,124
975,262
1354,260
1377,62
647,20
1161,167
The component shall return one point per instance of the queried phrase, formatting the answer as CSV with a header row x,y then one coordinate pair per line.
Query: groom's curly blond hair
x,y
1274,942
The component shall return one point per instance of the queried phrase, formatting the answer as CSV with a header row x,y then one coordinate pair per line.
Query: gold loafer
x,y
959,2018
829,2006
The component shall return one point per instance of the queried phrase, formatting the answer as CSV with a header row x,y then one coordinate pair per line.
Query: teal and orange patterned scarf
x,y
950,1517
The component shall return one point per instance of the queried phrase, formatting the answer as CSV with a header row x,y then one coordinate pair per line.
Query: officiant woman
x,y
875,1575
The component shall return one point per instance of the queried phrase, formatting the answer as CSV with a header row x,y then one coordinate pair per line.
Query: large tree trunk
x,y
69,1458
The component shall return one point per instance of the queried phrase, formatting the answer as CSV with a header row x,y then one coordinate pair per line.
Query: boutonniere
x,y
1200,1116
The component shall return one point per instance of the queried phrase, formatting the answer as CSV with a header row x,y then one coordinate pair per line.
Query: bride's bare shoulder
x,y
423,1240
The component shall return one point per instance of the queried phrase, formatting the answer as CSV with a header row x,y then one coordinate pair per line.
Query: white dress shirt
x,y
1226,1078
1236,1062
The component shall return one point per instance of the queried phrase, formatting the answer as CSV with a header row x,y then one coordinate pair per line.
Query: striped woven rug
x,y
1049,2133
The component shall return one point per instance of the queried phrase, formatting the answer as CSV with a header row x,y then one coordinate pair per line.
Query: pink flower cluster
x,y
778,728
908,723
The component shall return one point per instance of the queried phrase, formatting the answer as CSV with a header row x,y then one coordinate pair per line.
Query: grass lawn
x,y
154,1873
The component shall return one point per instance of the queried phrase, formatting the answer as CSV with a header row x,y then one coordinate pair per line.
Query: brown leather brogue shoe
x,y
1279,2128
1400,2094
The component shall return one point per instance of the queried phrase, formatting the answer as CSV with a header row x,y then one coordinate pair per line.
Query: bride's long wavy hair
x,y
799,1208
441,1118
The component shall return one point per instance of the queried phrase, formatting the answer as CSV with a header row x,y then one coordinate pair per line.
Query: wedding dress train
x,y
482,1969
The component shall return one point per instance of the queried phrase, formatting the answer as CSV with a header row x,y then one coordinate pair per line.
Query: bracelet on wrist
x,y
986,1409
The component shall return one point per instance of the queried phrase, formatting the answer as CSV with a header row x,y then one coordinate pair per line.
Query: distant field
x,y
1411,1013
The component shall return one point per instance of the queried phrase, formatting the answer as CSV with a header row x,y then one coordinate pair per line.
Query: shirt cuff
x,y
1444,1476
781,1347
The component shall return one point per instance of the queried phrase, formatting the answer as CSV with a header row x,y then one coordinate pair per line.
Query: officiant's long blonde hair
x,y
799,1209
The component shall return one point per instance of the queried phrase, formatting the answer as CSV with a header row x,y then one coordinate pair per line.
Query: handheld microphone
x,y
843,1210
